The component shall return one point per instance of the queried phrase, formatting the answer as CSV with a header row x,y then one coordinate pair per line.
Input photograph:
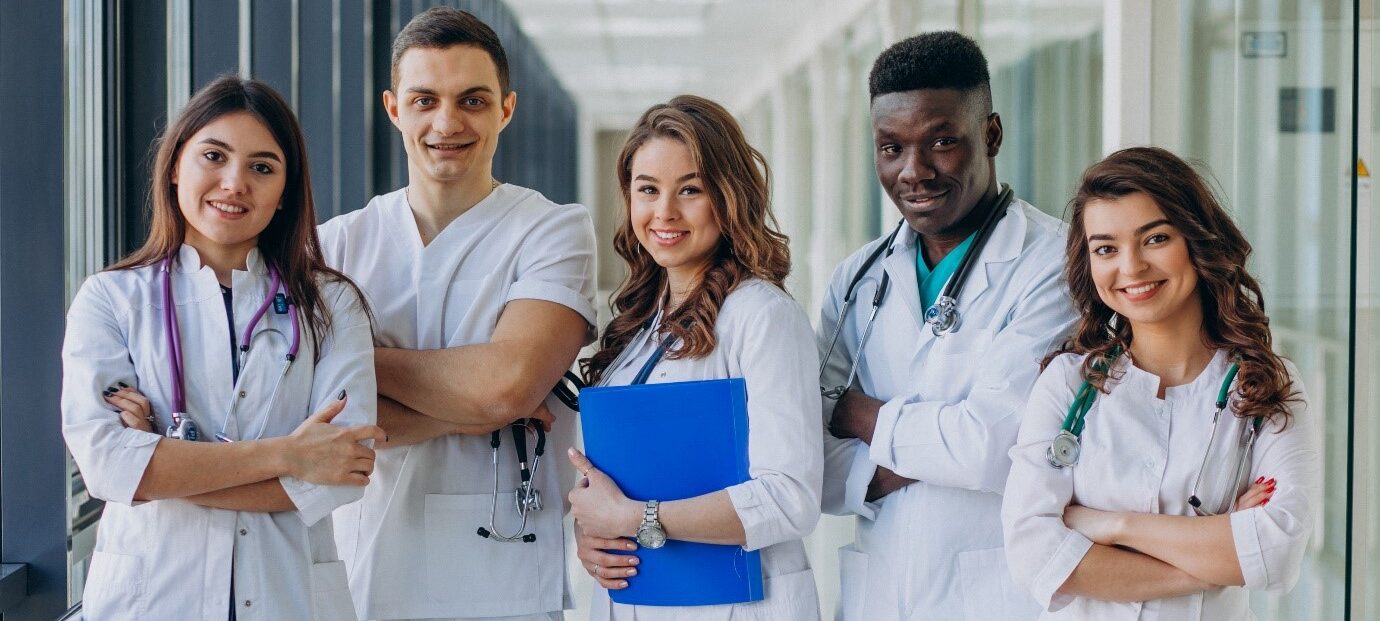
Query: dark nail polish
x,y
123,385
341,396
109,391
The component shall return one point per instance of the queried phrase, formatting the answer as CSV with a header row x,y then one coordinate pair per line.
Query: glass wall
x,y
1366,489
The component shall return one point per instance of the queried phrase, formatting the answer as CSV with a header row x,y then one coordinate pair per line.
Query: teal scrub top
x,y
932,281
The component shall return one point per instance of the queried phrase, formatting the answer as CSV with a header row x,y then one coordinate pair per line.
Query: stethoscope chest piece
x,y
942,316
183,428
1063,451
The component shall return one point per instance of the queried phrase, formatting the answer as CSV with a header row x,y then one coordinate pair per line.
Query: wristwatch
x,y
650,534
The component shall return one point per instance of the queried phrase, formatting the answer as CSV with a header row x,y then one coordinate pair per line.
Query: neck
x,y
939,245
436,204
682,282
1174,350
223,260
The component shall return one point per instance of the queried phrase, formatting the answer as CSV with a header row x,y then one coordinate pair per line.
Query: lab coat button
x,y
244,531
242,393
248,603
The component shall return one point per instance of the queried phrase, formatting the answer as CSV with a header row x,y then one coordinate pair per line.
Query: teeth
x,y
227,208
1141,289
667,235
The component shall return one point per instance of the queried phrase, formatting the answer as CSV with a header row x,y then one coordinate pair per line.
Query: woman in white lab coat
x,y
706,265
1135,519
219,487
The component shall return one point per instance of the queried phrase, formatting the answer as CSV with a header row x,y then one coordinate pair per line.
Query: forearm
x,y
710,518
1116,575
179,469
262,497
462,385
885,482
406,426
1201,546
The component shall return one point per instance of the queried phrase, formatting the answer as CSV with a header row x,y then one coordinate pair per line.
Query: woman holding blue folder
x,y
703,300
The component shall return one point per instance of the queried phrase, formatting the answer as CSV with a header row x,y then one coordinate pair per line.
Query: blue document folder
x,y
669,442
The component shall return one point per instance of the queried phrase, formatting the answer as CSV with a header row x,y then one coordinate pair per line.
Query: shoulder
x,y
1064,370
758,302
339,293
1045,238
847,268
533,206
361,219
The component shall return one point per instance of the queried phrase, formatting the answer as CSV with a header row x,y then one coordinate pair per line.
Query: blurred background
x,y
1276,98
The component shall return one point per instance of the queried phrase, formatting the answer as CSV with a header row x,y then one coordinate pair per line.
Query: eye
x,y
424,101
261,168
690,190
1157,239
473,102
214,156
943,143
646,189
1103,250
890,149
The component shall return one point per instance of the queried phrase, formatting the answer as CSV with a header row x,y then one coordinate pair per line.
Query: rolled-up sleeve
x,y
1271,539
95,355
346,363
965,444
556,263
1040,550
848,469
781,502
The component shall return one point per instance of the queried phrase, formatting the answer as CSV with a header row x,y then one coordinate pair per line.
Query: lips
x,y
228,208
922,200
1141,291
666,237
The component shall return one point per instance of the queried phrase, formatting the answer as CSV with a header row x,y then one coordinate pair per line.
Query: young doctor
x,y
1122,508
227,330
931,338
705,264
483,293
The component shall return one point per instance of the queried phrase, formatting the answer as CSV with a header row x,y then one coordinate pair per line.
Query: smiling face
x,y
449,108
934,150
671,211
1140,262
229,177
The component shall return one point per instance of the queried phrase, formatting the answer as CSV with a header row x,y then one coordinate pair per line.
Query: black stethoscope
x,y
527,498
942,316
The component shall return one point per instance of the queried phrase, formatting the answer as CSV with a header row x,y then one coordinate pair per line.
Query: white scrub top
x,y
763,337
1142,454
171,559
411,544
933,549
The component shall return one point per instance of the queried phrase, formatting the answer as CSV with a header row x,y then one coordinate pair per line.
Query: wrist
x,y
278,456
632,518
1123,524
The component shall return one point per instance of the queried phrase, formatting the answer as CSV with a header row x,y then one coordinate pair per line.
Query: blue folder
x,y
669,442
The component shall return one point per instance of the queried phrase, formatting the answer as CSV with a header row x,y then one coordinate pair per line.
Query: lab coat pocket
x,y
988,590
330,593
465,569
853,578
114,587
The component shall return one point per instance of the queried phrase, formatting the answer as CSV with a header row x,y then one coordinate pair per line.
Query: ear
x,y
390,105
509,104
174,173
993,134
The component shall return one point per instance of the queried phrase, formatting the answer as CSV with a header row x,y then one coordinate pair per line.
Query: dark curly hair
x,y
932,60
737,180
1233,308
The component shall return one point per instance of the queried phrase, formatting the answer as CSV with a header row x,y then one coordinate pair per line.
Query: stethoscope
x,y
1064,449
182,427
527,498
942,316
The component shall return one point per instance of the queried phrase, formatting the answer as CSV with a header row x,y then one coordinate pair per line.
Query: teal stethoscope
x,y
942,316
1064,449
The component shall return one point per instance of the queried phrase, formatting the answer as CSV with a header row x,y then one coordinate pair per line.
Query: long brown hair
x,y
1233,308
289,242
737,179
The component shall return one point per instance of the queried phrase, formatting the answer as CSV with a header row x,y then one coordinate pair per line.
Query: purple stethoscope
x,y
182,427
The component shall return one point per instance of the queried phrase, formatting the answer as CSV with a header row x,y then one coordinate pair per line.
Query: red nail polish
x,y
1265,502
1260,480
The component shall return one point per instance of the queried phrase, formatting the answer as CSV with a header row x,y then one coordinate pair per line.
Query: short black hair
x,y
944,59
441,27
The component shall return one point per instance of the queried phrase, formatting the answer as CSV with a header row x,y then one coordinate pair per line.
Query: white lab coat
x,y
763,337
1142,454
171,559
411,544
933,549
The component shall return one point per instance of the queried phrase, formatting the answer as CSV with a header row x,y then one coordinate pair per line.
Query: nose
x,y
665,209
915,167
448,120
232,179
1132,262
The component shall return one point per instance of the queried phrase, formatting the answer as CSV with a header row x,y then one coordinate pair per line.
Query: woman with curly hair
x,y
706,265
1167,457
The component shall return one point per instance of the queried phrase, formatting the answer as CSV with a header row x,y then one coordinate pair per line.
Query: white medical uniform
x,y
933,549
411,543
1143,454
763,337
171,559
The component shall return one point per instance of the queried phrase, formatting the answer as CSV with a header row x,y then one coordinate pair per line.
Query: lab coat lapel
x,y
900,266
1002,246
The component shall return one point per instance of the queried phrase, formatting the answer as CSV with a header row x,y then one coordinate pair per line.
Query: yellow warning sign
x,y
1361,170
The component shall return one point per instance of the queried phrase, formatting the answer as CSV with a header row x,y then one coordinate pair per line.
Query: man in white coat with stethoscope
x,y
482,293
931,339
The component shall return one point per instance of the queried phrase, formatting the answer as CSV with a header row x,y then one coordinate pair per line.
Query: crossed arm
x,y
475,389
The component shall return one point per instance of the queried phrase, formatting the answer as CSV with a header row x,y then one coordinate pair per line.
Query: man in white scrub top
x,y
482,294
917,447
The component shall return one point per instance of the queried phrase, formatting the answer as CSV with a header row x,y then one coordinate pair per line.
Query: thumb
x,y
581,463
328,413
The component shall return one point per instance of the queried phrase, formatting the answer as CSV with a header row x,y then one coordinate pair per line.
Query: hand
x,y
884,482
542,414
134,408
325,454
611,571
1102,527
1257,495
598,506
855,416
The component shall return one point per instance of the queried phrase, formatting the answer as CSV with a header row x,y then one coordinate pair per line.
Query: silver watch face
x,y
650,536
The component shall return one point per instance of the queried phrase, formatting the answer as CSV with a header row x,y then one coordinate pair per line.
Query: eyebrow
x,y
425,90
264,154
1139,230
682,179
